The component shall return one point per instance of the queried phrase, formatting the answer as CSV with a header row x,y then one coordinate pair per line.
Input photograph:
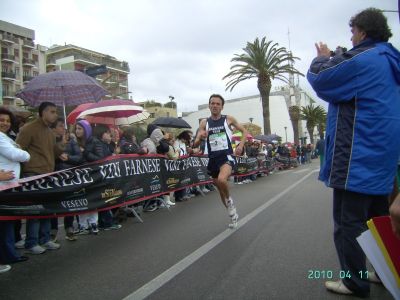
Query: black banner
x,y
113,182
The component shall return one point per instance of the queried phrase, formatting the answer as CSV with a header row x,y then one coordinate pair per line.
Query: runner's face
x,y
215,106
5,123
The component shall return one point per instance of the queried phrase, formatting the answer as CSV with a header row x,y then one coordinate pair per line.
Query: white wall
x,y
242,110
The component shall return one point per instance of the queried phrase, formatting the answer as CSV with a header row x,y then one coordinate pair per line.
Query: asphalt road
x,y
285,232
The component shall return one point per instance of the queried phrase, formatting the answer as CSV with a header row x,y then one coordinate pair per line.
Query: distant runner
x,y
218,134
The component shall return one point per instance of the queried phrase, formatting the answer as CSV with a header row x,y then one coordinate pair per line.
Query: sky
x,y
183,48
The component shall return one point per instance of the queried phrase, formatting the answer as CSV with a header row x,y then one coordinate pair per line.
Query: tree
x,y
321,125
265,61
170,104
313,116
294,113
152,103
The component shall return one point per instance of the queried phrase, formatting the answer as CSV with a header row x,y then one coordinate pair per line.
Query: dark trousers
x,y
351,211
54,223
106,219
8,254
17,230
68,222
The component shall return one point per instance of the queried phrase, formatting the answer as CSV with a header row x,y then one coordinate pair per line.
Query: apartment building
x,y
110,72
21,60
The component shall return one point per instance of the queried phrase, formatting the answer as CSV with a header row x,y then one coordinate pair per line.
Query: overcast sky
x,y
183,48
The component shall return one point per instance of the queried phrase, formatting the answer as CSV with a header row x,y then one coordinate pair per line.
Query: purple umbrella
x,y
62,88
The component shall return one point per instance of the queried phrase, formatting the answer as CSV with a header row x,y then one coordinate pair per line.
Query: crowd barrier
x,y
115,181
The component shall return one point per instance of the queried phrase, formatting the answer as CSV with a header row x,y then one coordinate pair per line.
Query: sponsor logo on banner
x,y
75,205
155,185
200,174
172,182
111,194
136,192
76,202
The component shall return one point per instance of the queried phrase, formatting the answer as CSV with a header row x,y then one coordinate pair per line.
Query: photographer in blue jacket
x,y
362,87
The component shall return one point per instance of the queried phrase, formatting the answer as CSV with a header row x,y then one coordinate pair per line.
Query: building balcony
x,y
9,39
28,44
8,57
28,62
50,62
8,75
26,78
8,94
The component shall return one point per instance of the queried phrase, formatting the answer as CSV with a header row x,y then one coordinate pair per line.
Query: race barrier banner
x,y
115,181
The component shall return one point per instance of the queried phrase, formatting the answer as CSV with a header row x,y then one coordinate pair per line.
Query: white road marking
x,y
180,266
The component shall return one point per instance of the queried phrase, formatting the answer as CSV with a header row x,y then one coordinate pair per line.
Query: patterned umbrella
x,y
114,112
62,88
71,119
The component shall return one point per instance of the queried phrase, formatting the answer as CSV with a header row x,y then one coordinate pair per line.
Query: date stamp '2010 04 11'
x,y
330,274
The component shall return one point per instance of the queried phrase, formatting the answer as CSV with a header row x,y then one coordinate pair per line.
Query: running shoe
x,y
94,229
231,208
234,221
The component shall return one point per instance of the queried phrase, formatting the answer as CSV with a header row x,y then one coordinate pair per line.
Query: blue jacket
x,y
362,87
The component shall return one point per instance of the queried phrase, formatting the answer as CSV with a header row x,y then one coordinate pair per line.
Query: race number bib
x,y
218,141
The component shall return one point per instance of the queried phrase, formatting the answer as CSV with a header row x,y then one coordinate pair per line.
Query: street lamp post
x,y
285,133
251,120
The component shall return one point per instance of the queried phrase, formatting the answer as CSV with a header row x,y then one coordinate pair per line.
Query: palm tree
x,y
313,116
294,113
265,61
321,125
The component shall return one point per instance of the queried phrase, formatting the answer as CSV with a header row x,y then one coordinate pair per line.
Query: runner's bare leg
x,y
222,182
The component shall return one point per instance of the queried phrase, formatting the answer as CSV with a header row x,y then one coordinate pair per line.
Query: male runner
x,y
218,134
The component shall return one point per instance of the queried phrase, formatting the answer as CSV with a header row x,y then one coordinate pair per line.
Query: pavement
x,y
283,238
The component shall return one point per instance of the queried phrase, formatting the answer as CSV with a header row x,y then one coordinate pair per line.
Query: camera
x,y
339,50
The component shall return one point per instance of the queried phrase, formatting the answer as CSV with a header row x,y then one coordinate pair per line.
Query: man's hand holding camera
x,y
322,50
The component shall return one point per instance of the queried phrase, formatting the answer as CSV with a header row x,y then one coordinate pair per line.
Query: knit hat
x,y
86,127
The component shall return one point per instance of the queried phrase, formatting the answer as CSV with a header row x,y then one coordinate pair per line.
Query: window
x,y
25,55
16,53
17,71
35,57
35,73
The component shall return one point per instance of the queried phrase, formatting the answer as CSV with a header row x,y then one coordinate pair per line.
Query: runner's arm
x,y
201,134
238,126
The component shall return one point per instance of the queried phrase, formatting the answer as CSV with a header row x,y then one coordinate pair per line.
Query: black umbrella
x,y
171,122
267,138
273,137
262,138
